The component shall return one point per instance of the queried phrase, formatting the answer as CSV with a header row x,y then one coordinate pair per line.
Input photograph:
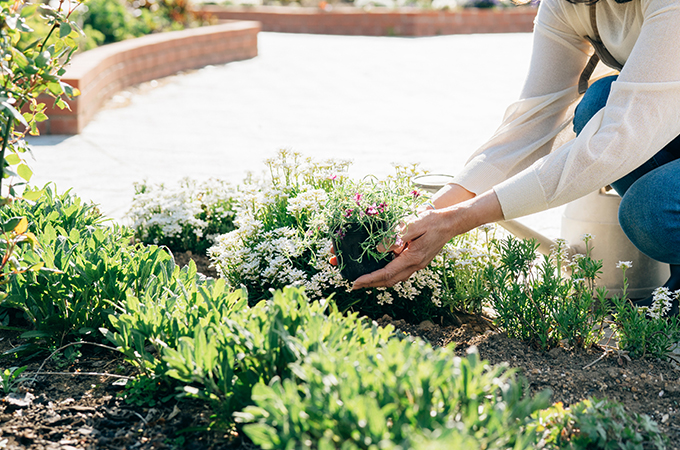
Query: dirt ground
x,y
67,412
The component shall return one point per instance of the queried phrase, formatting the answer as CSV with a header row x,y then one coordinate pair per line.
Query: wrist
x,y
472,213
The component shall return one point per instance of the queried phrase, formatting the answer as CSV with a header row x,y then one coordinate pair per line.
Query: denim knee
x,y
593,100
650,213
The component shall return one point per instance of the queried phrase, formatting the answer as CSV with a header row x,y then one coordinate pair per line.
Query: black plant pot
x,y
352,260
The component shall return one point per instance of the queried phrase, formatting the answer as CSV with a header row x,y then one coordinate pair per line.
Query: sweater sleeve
x,y
641,116
530,125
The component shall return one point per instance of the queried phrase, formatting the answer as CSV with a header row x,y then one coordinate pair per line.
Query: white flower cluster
x,y
252,255
172,210
662,301
309,201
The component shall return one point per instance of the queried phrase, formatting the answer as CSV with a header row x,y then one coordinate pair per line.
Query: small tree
x,y
30,65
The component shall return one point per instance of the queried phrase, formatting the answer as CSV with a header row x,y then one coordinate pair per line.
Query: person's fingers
x,y
400,269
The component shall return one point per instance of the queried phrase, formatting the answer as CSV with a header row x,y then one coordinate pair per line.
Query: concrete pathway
x,y
373,100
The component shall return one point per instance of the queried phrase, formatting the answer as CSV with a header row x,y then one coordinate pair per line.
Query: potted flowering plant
x,y
363,216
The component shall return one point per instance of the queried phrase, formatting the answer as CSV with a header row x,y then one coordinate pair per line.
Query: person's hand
x,y
422,237
426,233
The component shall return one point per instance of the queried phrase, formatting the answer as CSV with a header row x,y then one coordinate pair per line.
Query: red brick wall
x,y
101,72
382,22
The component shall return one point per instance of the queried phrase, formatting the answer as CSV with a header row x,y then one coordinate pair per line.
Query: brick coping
x,y
382,21
103,71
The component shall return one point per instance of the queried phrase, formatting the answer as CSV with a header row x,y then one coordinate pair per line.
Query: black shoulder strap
x,y
601,53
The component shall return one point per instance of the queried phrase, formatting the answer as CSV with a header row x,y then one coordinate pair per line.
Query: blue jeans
x,y
649,213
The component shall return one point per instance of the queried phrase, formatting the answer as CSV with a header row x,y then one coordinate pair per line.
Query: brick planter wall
x,y
101,72
381,21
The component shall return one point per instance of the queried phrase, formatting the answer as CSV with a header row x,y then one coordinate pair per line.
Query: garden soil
x,y
66,411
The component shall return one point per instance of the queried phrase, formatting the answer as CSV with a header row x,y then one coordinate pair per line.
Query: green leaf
x,y
68,40
70,91
17,115
41,117
24,172
74,235
11,224
28,10
19,58
42,59
31,69
12,159
64,29
22,226
55,88
34,334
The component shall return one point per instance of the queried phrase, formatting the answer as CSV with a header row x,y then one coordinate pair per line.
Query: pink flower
x,y
415,193
382,207
357,198
332,177
372,210
348,213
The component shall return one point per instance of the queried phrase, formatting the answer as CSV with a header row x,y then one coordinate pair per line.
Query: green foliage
x,y
117,20
205,336
642,336
14,235
28,69
148,391
597,424
46,206
461,266
113,19
370,397
11,378
314,373
89,268
538,304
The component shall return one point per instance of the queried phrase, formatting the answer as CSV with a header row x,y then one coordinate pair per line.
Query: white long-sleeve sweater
x,y
527,162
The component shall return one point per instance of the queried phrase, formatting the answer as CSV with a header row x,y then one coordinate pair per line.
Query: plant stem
x,y
2,152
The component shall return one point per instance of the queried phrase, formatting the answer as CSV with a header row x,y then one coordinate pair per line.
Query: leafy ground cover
x,y
85,411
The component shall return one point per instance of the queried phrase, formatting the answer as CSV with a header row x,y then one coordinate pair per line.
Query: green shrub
x,y
113,19
205,336
539,304
32,63
370,397
287,355
645,332
107,21
89,268
597,424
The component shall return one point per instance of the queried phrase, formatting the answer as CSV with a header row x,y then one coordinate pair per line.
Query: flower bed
x,y
382,21
101,72
292,369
